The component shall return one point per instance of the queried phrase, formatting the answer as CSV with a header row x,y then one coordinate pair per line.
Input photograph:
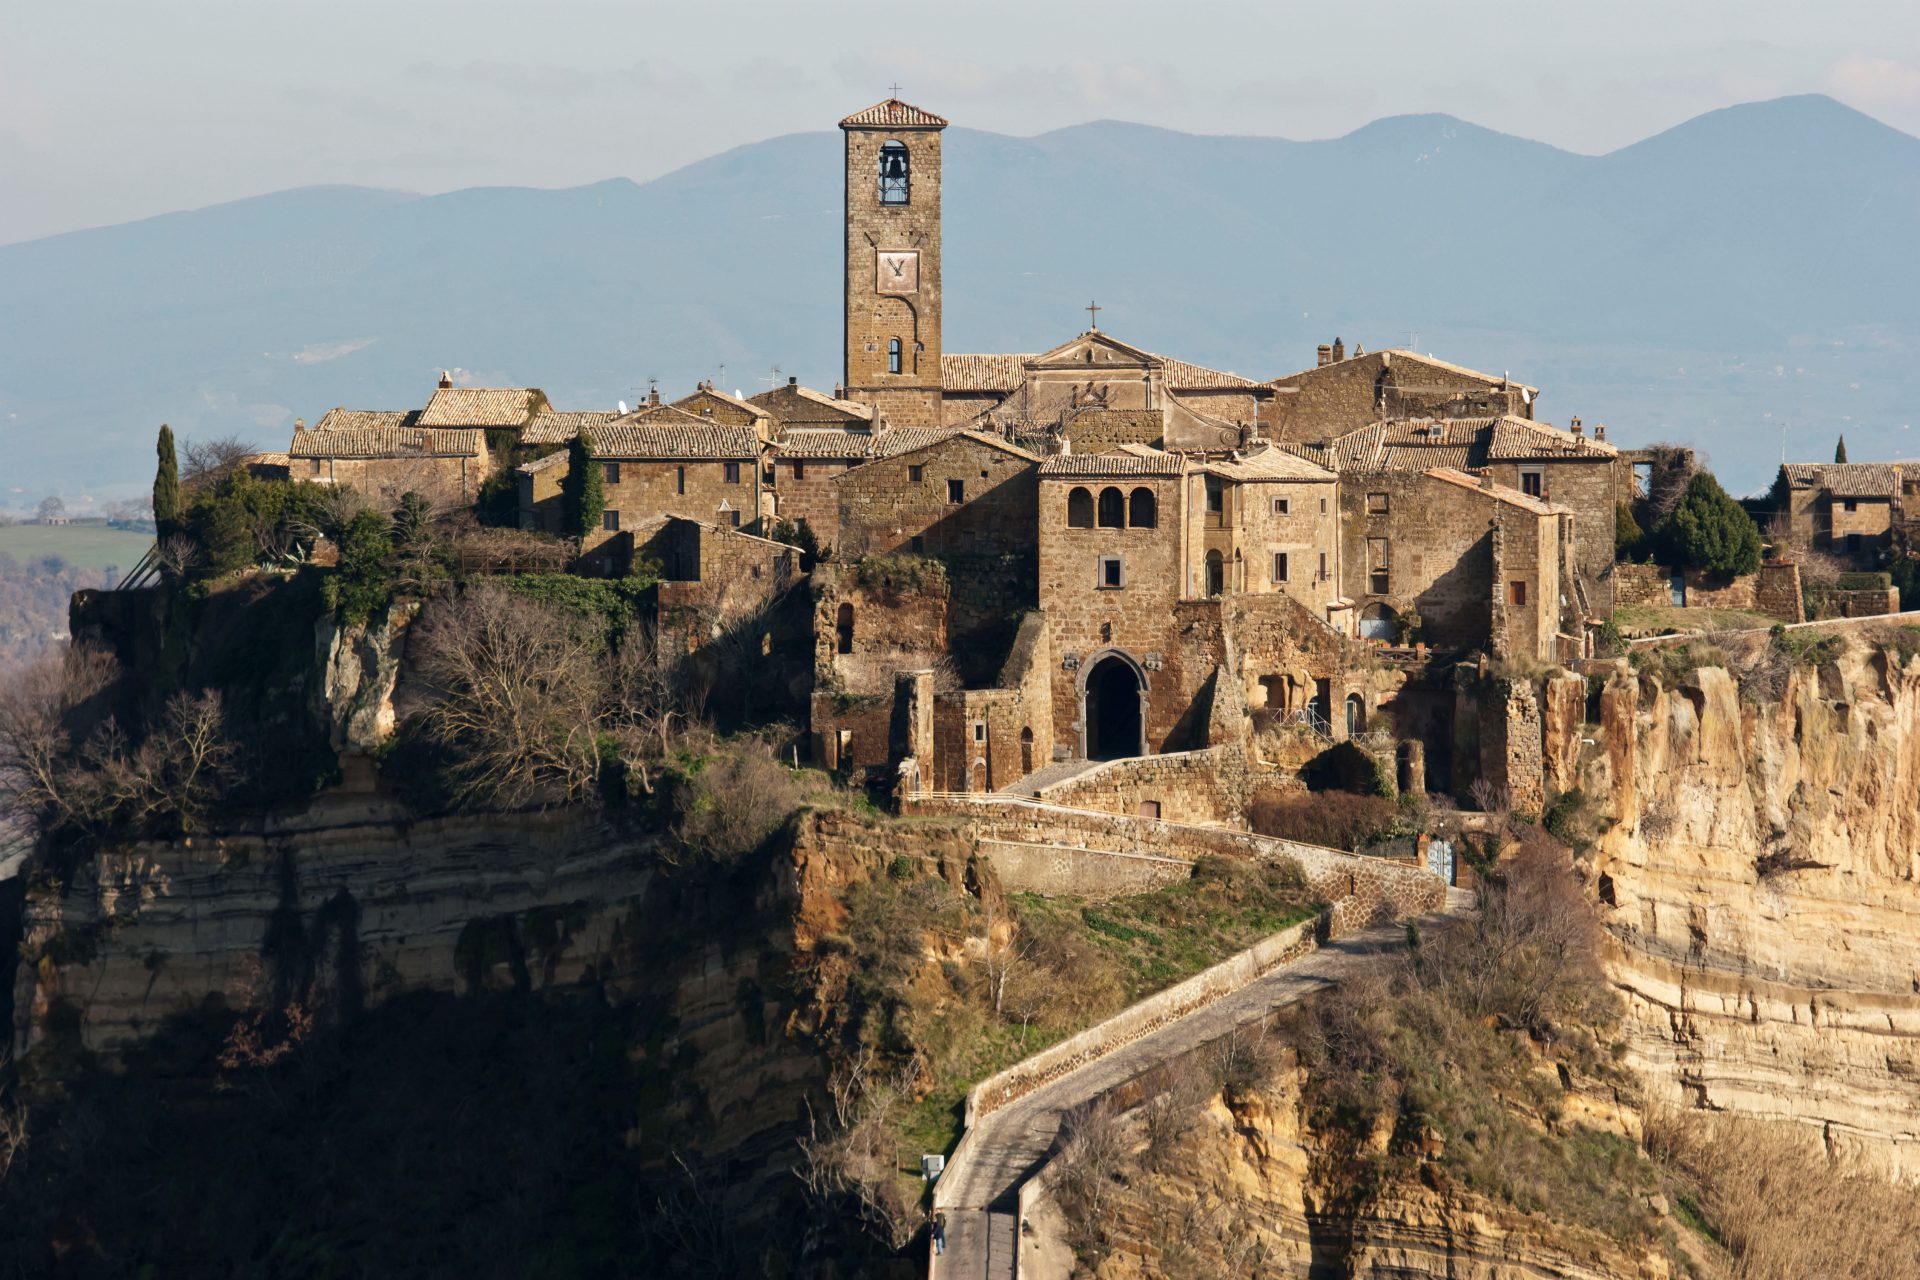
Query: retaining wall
x,y
1210,785
1062,870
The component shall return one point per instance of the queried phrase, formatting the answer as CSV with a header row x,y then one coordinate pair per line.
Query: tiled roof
x,y
688,401
1498,493
337,419
1424,459
939,435
557,458
1182,375
982,373
1522,438
896,114
386,442
778,403
827,445
1850,479
654,438
480,407
1398,353
1270,464
1127,461
555,427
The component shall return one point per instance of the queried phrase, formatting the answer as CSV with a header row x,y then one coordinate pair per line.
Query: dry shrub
x,y
732,802
1065,981
516,688
1336,819
1782,1209
855,1162
1087,1173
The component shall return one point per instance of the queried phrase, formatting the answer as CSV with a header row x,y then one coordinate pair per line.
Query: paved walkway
x,y
980,1194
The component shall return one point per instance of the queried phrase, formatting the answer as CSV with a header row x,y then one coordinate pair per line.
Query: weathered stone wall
x,y
1592,488
1439,552
696,488
1641,585
1332,399
1058,870
444,482
987,739
904,622
1210,785
1773,591
906,503
805,489
1777,593
1306,531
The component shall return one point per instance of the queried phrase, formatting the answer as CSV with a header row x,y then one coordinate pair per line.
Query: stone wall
x,y
1060,870
1777,594
988,739
1773,591
1209,785
805,489
1335,398
697,488
907,503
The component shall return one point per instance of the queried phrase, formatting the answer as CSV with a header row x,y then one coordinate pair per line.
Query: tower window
x,y
896,174
893,355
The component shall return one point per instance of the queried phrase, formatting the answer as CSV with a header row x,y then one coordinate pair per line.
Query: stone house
x,y
555,429
731,411
386,454
1845,509
665,461
1581,473
965,494
1199,409
1478,563
1343,393
498,409
1270,523
795,407
713,578
805,463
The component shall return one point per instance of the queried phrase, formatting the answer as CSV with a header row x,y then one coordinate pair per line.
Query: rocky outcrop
x,y
359,665
1242,1189
1761,874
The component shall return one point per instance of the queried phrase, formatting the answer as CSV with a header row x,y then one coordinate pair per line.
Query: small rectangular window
x,y
1532,483
916,472
919,544
1323,506
610,472
1216,497
1279,566
956,491
1852,505
1517,592
316,466
733,519
1376,504
799,471
610,521
680,480
1282,506
1112,577
1378,566
1323,566
980,731
732,470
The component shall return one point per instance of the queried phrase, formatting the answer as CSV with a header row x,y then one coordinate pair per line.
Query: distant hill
x,y
1757,260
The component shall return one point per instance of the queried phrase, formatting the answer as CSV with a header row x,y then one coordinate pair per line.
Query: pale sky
x,y
119,109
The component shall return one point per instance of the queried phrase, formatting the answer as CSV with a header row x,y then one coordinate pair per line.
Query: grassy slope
x,y
84,546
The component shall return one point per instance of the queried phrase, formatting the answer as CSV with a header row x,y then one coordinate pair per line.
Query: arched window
x,y
1216,574
896,174
1079,509
1113,509
843,628
1356,716
1142,510
893,355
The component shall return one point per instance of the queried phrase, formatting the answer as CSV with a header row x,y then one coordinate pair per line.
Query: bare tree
x,y
178,555
858,1158
37,735
208,462
1005,947
515,690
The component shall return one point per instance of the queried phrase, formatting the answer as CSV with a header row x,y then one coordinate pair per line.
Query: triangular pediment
x,y
1095,350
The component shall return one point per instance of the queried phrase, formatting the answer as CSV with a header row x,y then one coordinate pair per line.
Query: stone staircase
x,y
1048,775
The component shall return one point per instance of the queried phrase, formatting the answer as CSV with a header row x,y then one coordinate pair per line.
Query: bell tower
x,y
893,261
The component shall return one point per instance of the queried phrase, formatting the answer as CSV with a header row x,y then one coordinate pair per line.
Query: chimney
x,y
1339,350
299,425
1486,481
793,382
839,392
446,380
1324,354
1599,431
653,395
1575,425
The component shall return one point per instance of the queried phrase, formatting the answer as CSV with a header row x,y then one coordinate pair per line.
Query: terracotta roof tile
x,y
896,114
983,372
1270,464
556,427
337,419
1850,479
1522,438
1398,353
480,407
654,437
1498,493
1127,461
387,442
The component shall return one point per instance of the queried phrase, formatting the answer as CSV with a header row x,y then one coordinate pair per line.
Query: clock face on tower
x,y
897,272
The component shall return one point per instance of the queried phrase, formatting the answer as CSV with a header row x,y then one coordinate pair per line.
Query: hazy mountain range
x,y
1753,266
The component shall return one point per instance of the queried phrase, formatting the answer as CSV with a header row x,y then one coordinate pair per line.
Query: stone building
x,y
1102,393
728,410
798,408
386,454
1583,474
666,461
1478,564
481,408
893,261
805,464
1271,523
1844,509
963,495
1343,393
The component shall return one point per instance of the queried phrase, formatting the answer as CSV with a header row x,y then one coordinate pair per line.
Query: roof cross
x,y
894,92
1093,315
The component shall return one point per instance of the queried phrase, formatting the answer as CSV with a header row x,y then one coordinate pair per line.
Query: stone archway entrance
x,y
1113,706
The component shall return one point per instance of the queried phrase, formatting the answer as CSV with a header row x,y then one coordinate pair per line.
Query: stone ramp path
x,y
1009,1145
1047,775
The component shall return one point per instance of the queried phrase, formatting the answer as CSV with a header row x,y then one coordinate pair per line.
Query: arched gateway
x,y
1113,706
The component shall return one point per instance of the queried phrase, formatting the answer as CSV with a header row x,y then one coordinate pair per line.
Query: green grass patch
x,y
1655,620
83,546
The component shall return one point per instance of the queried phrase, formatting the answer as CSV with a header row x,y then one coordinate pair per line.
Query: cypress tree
x,y
1840,450
582,494
166,485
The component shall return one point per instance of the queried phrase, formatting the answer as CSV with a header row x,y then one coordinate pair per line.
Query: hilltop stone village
x,y
1004,566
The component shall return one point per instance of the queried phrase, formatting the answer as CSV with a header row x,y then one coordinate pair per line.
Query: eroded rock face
x,y
1762,876
359,667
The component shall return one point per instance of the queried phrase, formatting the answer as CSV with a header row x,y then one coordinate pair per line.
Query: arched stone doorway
x,y
1113,707
1356,715
1026,751
1379,622
1216,574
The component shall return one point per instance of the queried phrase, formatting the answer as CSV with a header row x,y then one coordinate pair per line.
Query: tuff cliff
x,y
1760,871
